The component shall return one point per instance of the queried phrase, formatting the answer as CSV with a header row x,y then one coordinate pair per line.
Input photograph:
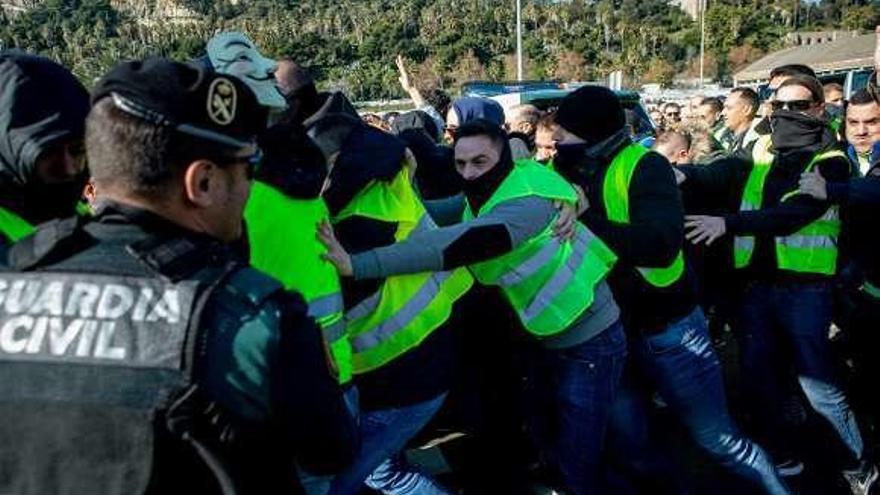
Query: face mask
x,y
57,200
796,130
570,159
234,53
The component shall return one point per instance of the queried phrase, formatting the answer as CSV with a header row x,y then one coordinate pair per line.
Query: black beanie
x,y
593,113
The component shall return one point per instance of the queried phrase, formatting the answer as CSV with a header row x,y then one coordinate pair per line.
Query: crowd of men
x,y
218,279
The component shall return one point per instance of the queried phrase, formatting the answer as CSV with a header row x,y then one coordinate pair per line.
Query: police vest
x,y
615,195
407,308
282,236
813,248
549,282
12,226
98,371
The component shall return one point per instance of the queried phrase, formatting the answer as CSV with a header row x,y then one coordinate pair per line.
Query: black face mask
x,y
571,161
479,190
301,104
45,202
796,131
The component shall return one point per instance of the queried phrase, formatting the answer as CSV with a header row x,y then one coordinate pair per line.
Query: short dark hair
x,y
861,97
810,83
792,70
483,127
438,99
749,96
136,157
713,102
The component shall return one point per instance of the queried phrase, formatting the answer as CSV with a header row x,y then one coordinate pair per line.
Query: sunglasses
x,y
793,105
252,160
673,114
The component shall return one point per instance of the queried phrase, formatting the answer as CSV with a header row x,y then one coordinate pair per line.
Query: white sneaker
x,y
862,480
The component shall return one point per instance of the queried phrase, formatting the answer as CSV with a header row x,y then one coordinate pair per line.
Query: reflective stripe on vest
x,y
615,194
13,226
407,308
549,283
281,233
812,249
871,290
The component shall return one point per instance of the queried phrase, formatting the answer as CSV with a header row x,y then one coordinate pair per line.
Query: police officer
x,y
635,208
139,352
556,287
785,252
42,168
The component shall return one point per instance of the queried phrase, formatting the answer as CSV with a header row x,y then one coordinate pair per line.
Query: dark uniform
x,y
142,357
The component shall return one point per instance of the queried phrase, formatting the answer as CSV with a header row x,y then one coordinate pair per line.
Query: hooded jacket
x,y
41,104
435,175
364,154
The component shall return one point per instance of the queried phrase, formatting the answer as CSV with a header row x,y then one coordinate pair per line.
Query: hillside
x,y
351,44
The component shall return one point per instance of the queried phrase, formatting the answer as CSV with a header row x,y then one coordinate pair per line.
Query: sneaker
x,y
789,467
862,480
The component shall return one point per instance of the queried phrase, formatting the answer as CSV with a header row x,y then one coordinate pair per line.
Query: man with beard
x,y
635,208
557,288
42,160
785,250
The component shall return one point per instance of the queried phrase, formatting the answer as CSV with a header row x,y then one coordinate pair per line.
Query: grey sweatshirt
x,y
507,226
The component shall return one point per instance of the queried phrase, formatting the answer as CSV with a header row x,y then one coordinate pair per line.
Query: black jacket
x,y
721,183
653,238
435,175
262,372
426,371
41,104
860,241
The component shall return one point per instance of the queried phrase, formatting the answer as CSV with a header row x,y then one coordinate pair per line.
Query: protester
x,y
561,299
435,109
435,175
521,122
403,358
545,145
42,159
635,208
785,250
305,105
674,146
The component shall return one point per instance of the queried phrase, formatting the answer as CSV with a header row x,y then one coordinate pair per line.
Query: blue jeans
x,y
571,391
380,463
686,371
791,322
